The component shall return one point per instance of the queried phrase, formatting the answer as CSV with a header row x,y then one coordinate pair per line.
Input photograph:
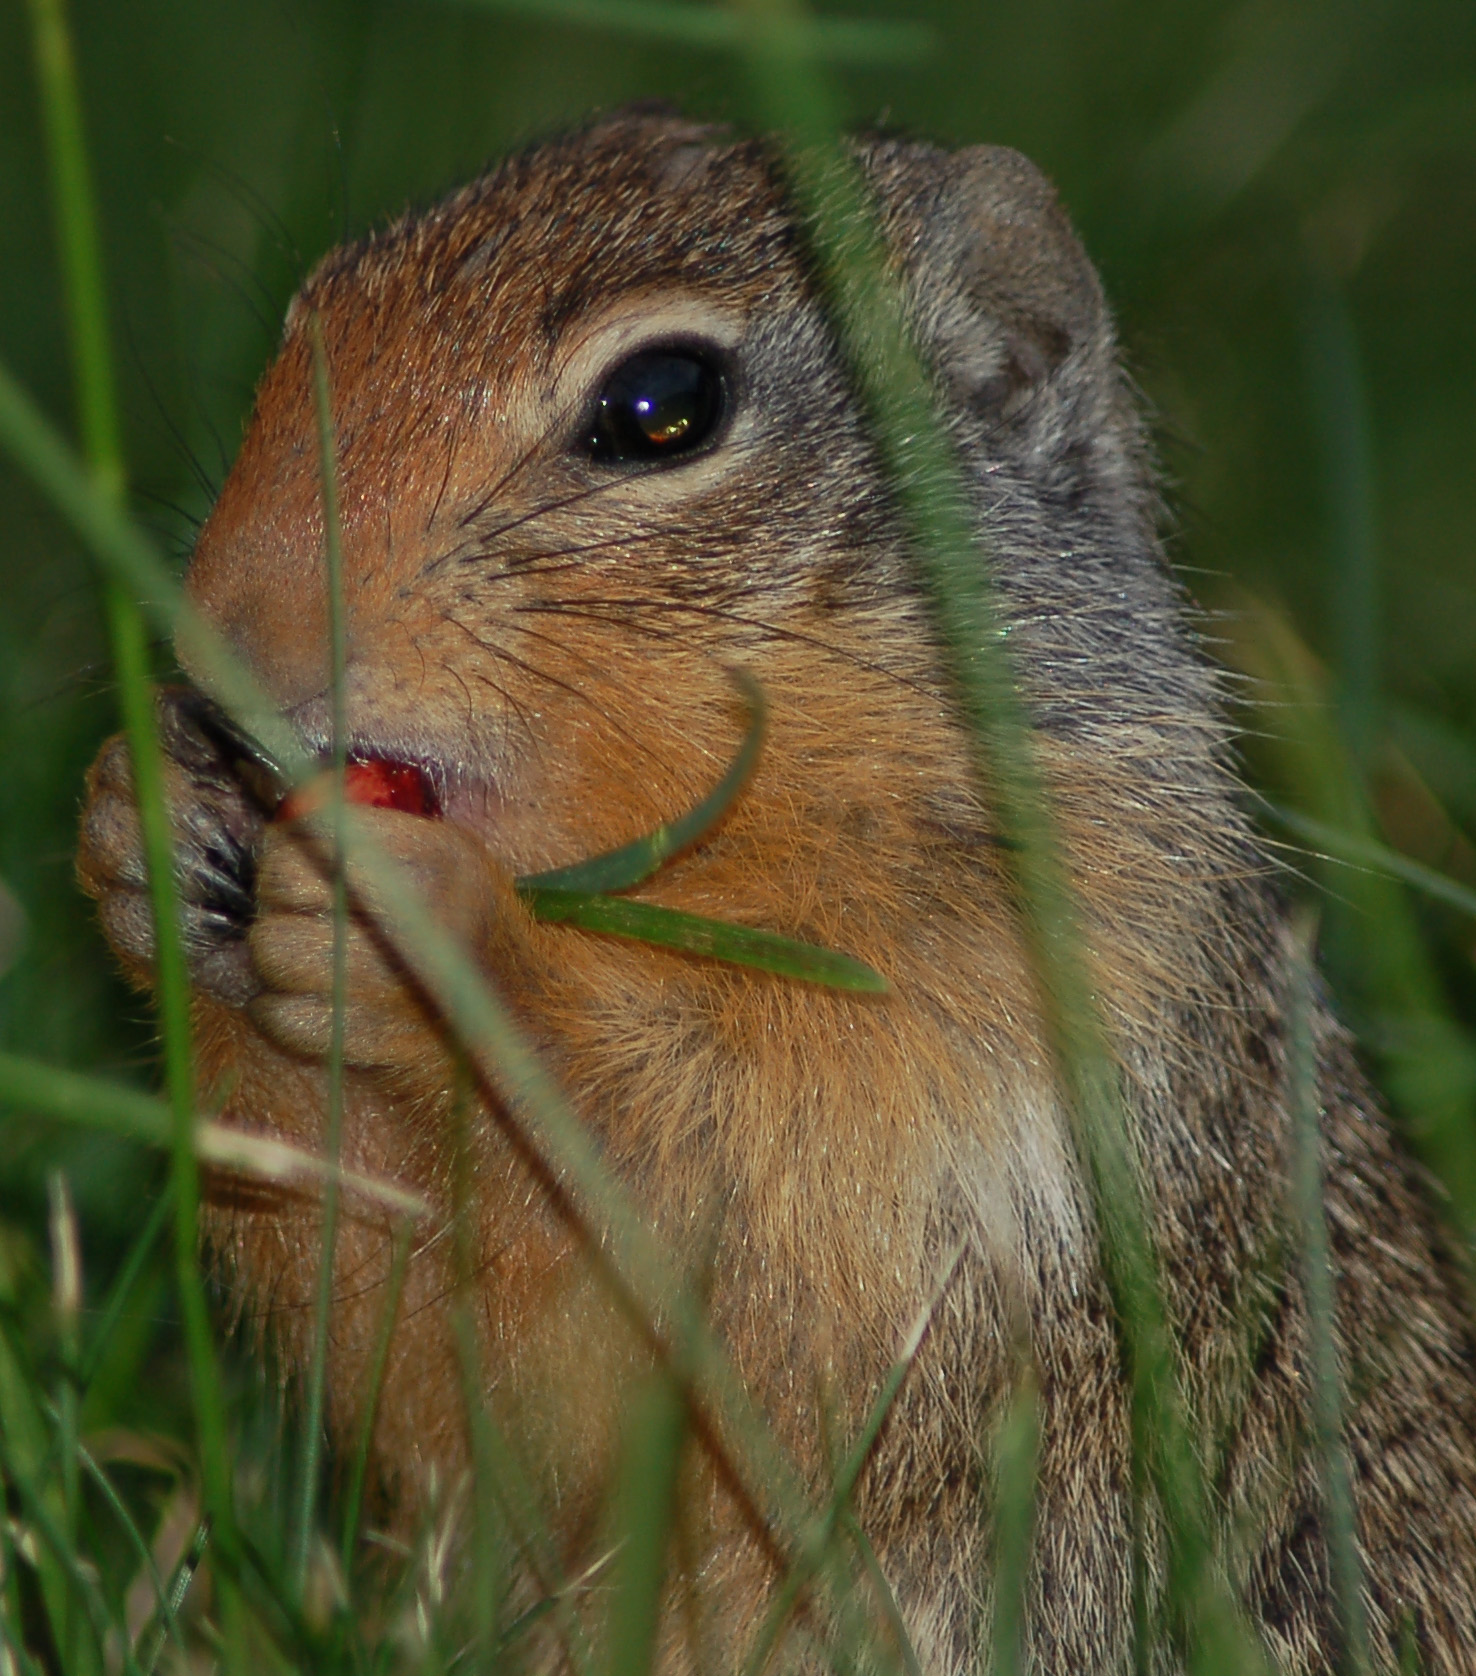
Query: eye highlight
x,y
659,404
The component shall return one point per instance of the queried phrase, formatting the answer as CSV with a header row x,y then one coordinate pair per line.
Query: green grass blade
x,y
353,1500
129,559
740,945
1444,755
317,1378
816,1546
25,1665
860,41
76,217
88,1100
1310,1220
153,1636
25,1454
622,868
1342,430
1016,1454
81,259
506,1510
1353,849
900,1653
164,1607
122,1287
645,1516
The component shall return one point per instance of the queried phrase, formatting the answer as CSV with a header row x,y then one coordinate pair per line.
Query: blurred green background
x,y
1281,196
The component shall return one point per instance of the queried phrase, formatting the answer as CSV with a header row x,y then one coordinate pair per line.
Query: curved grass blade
x,y
631,863
670,928
164,1611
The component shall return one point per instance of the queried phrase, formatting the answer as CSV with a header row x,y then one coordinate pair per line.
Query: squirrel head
x,y
542,593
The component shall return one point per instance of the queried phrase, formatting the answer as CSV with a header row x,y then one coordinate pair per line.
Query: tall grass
x,y
90,1583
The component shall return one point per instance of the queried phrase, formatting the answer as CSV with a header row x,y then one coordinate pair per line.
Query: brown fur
x,y
553,639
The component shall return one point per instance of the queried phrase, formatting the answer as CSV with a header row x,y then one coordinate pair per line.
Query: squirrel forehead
x,y
495,275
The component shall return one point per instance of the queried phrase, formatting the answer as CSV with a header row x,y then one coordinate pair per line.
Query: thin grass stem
x,y
499,1480
1016,1455
646,1509
905,1655
1352,849
1342,427
816,1545
333,1137
353,1500
81,263
104,1485
1317,1281
122,1287
67,1309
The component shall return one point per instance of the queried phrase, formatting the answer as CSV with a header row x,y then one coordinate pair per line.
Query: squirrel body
x,y
545,628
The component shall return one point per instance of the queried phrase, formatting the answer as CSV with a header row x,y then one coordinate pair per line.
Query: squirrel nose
x,y
282,640
257,575
269,602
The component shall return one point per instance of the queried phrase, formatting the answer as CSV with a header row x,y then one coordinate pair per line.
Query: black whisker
x,y
538,674
624,609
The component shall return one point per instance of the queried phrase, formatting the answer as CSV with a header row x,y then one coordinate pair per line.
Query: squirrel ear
x,y
1002,237
1004,291
1009,311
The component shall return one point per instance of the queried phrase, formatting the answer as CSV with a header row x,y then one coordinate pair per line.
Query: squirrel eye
x,y
658,405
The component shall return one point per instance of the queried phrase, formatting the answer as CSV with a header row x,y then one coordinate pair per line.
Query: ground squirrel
x,y
598,446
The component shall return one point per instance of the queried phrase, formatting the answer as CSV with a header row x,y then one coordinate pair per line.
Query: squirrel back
x,y
597,446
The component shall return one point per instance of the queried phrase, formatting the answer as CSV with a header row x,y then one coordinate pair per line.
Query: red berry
x,y
373,781
390,785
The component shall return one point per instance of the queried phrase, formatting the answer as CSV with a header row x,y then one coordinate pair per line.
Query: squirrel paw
x,y
387,1023
216,826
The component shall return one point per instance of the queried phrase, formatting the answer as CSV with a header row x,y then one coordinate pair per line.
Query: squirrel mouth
x,y
385,769
373,778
